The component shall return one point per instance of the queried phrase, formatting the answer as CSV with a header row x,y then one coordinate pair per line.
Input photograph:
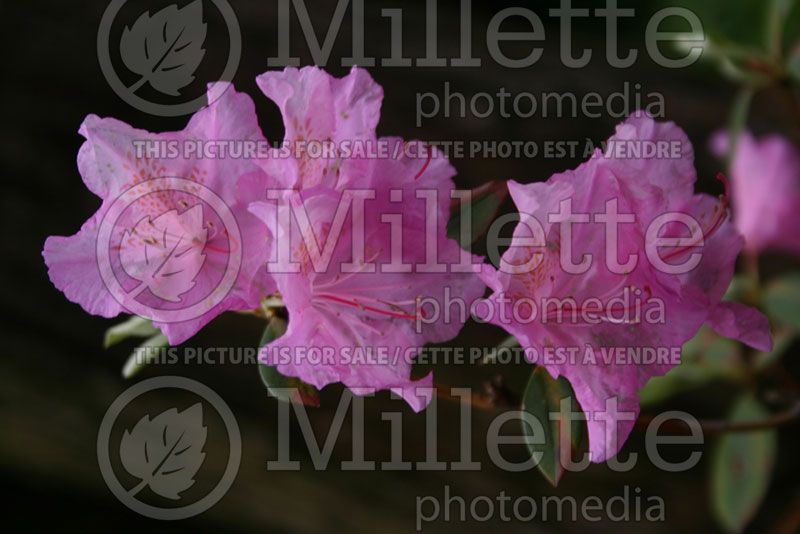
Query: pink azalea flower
x,y
645,188
765,177
366,309
168,242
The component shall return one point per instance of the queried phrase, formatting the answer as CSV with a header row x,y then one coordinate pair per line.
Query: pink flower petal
x,y
743,323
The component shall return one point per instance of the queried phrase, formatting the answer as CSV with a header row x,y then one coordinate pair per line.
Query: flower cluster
x,y
326,264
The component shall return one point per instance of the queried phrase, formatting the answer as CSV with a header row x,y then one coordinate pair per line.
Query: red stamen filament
x,y
425,166
354,303
719,218
557,314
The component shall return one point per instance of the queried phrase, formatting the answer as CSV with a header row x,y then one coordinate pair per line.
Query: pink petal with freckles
x,y
109,166
104,159
315,105
318,108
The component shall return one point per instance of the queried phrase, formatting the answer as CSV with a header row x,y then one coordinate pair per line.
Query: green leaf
x,y
704,358
276,327
777,15
782,300
301,393
144,354
741,467
484,203
542,397
135,326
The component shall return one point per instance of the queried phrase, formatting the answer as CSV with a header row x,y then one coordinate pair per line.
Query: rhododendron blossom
x,y
165,240
688,286
766,190
348,306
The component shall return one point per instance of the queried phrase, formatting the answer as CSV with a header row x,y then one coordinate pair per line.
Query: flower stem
x,y
715,426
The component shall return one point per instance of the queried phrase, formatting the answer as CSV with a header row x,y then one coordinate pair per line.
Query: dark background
x,y
56,381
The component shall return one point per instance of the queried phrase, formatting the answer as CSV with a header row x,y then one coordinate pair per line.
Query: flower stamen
x,y
719,218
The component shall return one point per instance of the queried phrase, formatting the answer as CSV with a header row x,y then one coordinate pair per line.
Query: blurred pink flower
x,y
168,224
645,188
765,177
